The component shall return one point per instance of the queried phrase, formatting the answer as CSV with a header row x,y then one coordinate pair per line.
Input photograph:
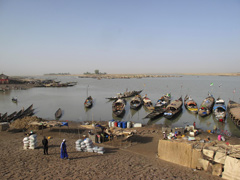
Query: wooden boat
x,y
173,108
155,113
4,117
206,106
118,107
148,103
58,113
136,102
160,106
163,101
11,116
18,115
14,99
125,95
190,104
220,110
233,109
29,113
88,102
131,93
26,111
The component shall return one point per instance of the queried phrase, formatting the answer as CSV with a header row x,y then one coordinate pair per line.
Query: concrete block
x,y
208,153
204,164
175,152
220,157
196,155
217,169
214,148
231,169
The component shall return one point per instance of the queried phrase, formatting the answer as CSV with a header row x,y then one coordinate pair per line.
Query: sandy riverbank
x,y
134,159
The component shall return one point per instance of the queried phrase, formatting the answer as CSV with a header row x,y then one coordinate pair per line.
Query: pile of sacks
x,y
87,145
30,142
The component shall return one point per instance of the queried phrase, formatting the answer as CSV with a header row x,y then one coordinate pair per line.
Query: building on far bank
x,y
4,79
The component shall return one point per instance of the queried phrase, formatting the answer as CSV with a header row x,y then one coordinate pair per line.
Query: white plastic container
x,y
137,125
129,124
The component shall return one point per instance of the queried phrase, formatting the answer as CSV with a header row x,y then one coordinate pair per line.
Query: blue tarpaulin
x,y
64,123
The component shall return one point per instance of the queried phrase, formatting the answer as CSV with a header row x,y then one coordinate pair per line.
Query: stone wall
x,y
216,157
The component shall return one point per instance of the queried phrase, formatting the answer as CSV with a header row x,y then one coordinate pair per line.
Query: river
x,y
71,99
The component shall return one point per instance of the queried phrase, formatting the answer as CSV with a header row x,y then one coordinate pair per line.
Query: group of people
x,y
63,147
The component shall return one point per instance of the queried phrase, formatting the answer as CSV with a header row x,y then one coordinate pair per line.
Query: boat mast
x,y
87,90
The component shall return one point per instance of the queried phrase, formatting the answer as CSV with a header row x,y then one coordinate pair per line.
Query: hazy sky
x,y
119,36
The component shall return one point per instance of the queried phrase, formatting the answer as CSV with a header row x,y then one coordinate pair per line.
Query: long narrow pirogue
x,y
17,115
148,103
220,110
118,107
190,104
58,113
160,106
136,102
173,108
206,106
88,102
234,112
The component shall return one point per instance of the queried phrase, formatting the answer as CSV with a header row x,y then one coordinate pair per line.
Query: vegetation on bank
x,y
96,72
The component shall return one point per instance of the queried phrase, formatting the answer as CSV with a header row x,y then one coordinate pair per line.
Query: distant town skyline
x,y
119,37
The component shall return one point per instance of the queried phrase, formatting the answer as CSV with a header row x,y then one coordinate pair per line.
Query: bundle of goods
x,y
32,141
80,145
99,150
25,143
87,146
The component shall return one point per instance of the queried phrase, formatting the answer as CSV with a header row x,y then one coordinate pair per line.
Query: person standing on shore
x,y
45,145
63,147
194,125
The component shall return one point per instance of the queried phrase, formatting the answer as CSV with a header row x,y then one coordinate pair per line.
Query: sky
x,y
119,36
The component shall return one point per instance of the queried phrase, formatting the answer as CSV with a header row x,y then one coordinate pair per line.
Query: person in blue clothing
x,y
63,147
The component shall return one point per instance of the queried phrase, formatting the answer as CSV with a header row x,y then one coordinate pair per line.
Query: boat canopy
x,y
191,103
119,101
175,104
147,100
216,107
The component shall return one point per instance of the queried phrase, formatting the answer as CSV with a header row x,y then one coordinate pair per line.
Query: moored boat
x,y
28,109
88,102
148,103
136,102
190,104
14,99
173,108
233,109
163,101
18,115
4,117
58,113
11,116
126,94
219,110
160,106
118,107
206,106
131,93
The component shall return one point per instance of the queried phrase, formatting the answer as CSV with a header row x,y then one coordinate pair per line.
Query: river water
x,y
71,99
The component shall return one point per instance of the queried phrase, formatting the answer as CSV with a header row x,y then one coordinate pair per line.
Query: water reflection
x,y
170,122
